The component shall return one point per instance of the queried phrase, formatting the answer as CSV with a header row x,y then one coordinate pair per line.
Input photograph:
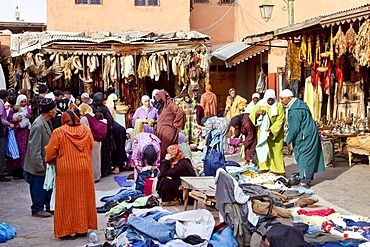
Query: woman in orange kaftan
x,y
70,149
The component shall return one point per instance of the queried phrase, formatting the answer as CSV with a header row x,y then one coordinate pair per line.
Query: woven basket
x,y
122,109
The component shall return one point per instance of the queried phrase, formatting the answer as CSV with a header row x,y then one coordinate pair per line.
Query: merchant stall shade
x,y
129,63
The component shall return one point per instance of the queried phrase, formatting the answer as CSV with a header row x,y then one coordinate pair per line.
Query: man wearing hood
x,y
208,101
304,136
70,149
171,120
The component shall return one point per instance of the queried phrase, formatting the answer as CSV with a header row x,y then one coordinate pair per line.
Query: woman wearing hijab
x,y
112,98
189,107
250,107
243,125
146,150
107,143
174,166
87,118
21,135
274,134
70,150
145,113
171,120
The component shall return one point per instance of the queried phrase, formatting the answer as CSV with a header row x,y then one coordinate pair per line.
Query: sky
x,y
31,10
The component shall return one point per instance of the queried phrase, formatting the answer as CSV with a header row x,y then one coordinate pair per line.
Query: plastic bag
x,y
11,148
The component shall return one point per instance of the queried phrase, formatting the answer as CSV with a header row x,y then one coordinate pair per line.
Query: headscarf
x,y
98,99
176,153
187,95
143,99
164,100
208,87
269,94
111,98
236,120
256,95
182,138
131,132
85,108
153,95
20,98
150,154
70,118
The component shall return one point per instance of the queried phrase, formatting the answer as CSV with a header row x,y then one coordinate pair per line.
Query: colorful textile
x,y
275,162
322,212
219,123
189,109
70,149
147,114
141,141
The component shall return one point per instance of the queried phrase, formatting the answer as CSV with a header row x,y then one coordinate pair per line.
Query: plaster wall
x,y
116,15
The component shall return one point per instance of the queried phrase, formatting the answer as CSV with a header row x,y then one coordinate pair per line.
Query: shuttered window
x,y
227,1
92,2
146,2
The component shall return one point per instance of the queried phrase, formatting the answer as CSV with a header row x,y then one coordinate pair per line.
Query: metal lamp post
x,y
267,6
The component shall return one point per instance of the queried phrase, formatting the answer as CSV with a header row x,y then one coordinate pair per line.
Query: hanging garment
x,y
262,147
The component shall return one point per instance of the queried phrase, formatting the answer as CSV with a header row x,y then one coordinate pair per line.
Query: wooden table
x,y
200,188
356,150
341,139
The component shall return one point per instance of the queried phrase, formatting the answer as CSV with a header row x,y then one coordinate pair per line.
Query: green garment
x,y
275,162
303,134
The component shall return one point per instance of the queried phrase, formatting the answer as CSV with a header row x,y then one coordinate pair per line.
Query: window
x,y
92,2
146,2
226,1
200,1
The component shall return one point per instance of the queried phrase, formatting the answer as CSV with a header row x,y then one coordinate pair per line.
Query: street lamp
x,y
266,7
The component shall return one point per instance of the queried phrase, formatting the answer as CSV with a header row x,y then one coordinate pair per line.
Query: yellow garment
x,y
313,98
274,163
235,108
139,127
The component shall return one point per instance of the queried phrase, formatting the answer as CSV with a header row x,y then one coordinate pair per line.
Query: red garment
x,y
322,212
339,71
170,122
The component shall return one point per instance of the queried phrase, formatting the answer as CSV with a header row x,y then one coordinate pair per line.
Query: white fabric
x,y
20,98
269,94
85,95
239,195
2,78
49,183
199,222
286,93
180,243
262,147
50,96
256,95
144,98
153,94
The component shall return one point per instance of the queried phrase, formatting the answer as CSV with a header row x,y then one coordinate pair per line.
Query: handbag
x,y
11,148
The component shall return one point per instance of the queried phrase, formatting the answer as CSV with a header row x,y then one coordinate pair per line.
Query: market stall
x,y
129,63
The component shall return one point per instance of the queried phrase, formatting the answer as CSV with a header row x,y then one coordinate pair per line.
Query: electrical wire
x,y
216,22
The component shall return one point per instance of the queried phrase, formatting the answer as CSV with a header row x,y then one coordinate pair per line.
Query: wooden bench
x,y
200,188
356,150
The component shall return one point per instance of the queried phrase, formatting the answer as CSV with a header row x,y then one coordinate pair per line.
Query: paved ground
x,y
340,185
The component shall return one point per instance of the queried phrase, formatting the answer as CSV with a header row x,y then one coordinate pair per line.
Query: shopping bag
x,y
11,148
148,185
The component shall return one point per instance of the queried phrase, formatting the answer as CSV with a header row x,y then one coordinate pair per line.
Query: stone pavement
x,y
342,186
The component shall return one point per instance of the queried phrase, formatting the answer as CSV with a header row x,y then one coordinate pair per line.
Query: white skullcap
x,y
256,95
286,93
85,95
50,96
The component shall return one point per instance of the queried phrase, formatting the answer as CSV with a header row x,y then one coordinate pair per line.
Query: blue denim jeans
x,y
122,195
163,232
40,197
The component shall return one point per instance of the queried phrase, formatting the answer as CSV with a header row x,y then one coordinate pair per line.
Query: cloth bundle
x,y
6,232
